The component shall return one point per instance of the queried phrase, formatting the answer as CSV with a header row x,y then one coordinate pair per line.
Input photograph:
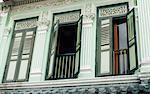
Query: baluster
x,y
121,62
63,66
56,64
73,65
59,67
66,66
69,66
126,61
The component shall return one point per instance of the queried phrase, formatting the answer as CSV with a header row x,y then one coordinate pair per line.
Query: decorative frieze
x,y
133,88
67,17
113,10
42,4
25,24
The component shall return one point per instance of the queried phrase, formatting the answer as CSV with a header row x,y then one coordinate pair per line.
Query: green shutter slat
x,y
132,41
104,47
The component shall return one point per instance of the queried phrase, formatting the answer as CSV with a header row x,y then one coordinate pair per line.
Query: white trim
x,y
124,79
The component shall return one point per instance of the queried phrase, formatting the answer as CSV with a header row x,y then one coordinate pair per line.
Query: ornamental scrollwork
x,y
25,24
46,3
113,10
67,17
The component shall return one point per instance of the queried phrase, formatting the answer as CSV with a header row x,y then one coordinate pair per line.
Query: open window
x,y
116,45
20,52
64,57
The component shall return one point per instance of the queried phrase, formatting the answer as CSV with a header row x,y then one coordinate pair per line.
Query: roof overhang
x,y
6,3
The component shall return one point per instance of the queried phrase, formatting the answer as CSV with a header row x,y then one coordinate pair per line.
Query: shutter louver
x,y
20,52
132,41
53,44
78,46
104,50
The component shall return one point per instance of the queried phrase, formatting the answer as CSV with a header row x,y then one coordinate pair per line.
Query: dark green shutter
x,y
20,55
78,45
104,47
53,44
132,41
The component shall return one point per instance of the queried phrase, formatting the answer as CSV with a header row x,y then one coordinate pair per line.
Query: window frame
x,y
49,47
21,45
115,16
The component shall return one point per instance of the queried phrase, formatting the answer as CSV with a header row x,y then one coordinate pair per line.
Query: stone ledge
x,y
73,82
100,85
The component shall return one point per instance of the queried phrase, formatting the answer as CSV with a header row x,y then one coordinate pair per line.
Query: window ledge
x,y
109,80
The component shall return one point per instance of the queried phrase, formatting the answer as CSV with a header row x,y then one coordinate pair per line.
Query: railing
x,y
66,65
121,61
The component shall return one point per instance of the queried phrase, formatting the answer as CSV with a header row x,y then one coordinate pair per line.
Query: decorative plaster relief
x,y
113,10
67,17
25,24
89,11
42,4
43,22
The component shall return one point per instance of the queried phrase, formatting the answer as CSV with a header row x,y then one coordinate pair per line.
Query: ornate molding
x,y
47,3
67,17
89,12
43,25
43,22
92,89
102,85
25,24
113,10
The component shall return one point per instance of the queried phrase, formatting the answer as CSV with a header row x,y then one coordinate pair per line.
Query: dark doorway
x,y
67,38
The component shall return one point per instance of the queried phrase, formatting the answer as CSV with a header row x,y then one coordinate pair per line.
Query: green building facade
x,y
75,47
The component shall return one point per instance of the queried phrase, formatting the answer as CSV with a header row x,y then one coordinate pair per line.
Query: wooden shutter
x,y
104,47
78,46
132,41
20,55
26,54
13,56
53,44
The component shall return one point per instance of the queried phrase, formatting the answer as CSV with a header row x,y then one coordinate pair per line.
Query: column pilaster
x,y
39,45
87,65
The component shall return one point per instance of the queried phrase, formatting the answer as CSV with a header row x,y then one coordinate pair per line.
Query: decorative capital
x,y
89,13
43,22
5,9
43,25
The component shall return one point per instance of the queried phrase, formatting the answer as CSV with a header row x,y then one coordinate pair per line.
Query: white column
x,y
5,38
87,63
144,34
38,51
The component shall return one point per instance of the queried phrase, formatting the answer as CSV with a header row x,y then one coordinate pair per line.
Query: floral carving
x,y
67,17
46,3
113,10
30,23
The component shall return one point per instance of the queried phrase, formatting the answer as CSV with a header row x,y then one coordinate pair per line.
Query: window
x,y
116,42
20,52
65,42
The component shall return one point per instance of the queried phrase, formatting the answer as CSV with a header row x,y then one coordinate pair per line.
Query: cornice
x,y
42,4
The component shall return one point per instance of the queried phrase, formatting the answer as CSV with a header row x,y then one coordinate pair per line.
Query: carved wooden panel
x,y
113,10
25,24
67,17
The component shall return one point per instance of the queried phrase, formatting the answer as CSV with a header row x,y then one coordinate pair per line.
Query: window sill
x,y
109,80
